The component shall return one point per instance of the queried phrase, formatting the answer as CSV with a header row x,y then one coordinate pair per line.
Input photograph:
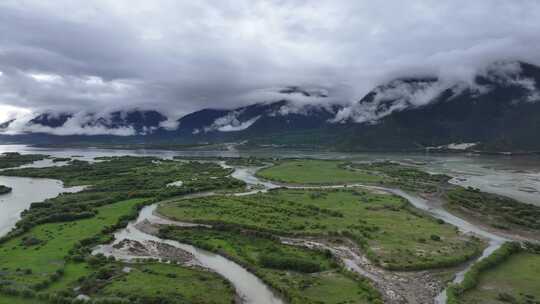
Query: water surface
x,y
517,177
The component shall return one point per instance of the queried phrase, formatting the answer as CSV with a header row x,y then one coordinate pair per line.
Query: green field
x,y
497,211
516,280
163,283
44,247
406,178
392,232
49,251
316,172
301,275
11,160
321,172
17,300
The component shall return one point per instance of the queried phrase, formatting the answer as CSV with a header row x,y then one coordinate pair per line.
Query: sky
x,y
180,56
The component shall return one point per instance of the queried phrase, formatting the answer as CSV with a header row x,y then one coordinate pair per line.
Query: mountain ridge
x,y
499,111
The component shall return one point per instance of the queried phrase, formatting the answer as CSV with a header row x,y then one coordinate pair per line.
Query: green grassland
x,y
44,247
301,275
48,254
404,177
18,300
514,281
391,232
11,160
164,283
307,171
316,172
115,179
497,211
320,172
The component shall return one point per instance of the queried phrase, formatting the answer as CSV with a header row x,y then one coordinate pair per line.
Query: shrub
x,y
435,238
455,291
276,261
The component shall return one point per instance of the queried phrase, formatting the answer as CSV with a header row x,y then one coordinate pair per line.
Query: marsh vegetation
x,y
13,159
379,223
48,257
48,254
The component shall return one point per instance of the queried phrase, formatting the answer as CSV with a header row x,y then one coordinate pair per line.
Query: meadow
x,y
513,281
316,172
329,172
165,283
497,211
47,255
508,275
13,159
393,233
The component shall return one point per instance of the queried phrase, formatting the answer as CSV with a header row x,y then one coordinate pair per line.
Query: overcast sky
x,y
180,56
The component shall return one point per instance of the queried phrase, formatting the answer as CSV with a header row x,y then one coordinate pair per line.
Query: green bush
x,y
276,261
455,291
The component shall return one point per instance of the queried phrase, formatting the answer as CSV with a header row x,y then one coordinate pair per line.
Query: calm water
x,y
26,191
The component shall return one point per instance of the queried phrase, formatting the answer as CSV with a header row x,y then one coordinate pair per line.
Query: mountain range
x,y
498,110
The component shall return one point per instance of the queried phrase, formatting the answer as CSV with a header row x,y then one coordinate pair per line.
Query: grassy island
x,y
4,189
13,159
307,171
394,234
300,275
328,172
48,254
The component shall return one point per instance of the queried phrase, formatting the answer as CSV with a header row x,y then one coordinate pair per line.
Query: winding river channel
x,y
494,241
519,179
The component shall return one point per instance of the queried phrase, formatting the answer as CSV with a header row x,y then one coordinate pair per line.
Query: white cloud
x,y
238,126
229,123
42,77
399,95
181,56
80,123
8,113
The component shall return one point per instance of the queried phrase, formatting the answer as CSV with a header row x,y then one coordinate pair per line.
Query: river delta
x,y
146,226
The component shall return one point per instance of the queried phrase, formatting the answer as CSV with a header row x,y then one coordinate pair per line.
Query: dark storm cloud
x,y
180,56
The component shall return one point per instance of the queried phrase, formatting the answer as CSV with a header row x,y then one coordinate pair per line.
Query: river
x,y
516,177
26,191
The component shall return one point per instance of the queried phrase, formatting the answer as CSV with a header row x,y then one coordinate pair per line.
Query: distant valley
x,y
498,112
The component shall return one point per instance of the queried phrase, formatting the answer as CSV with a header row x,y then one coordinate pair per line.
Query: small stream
x,y
250,289
494,241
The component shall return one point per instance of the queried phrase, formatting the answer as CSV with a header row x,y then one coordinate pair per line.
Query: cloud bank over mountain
x,y
180,56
